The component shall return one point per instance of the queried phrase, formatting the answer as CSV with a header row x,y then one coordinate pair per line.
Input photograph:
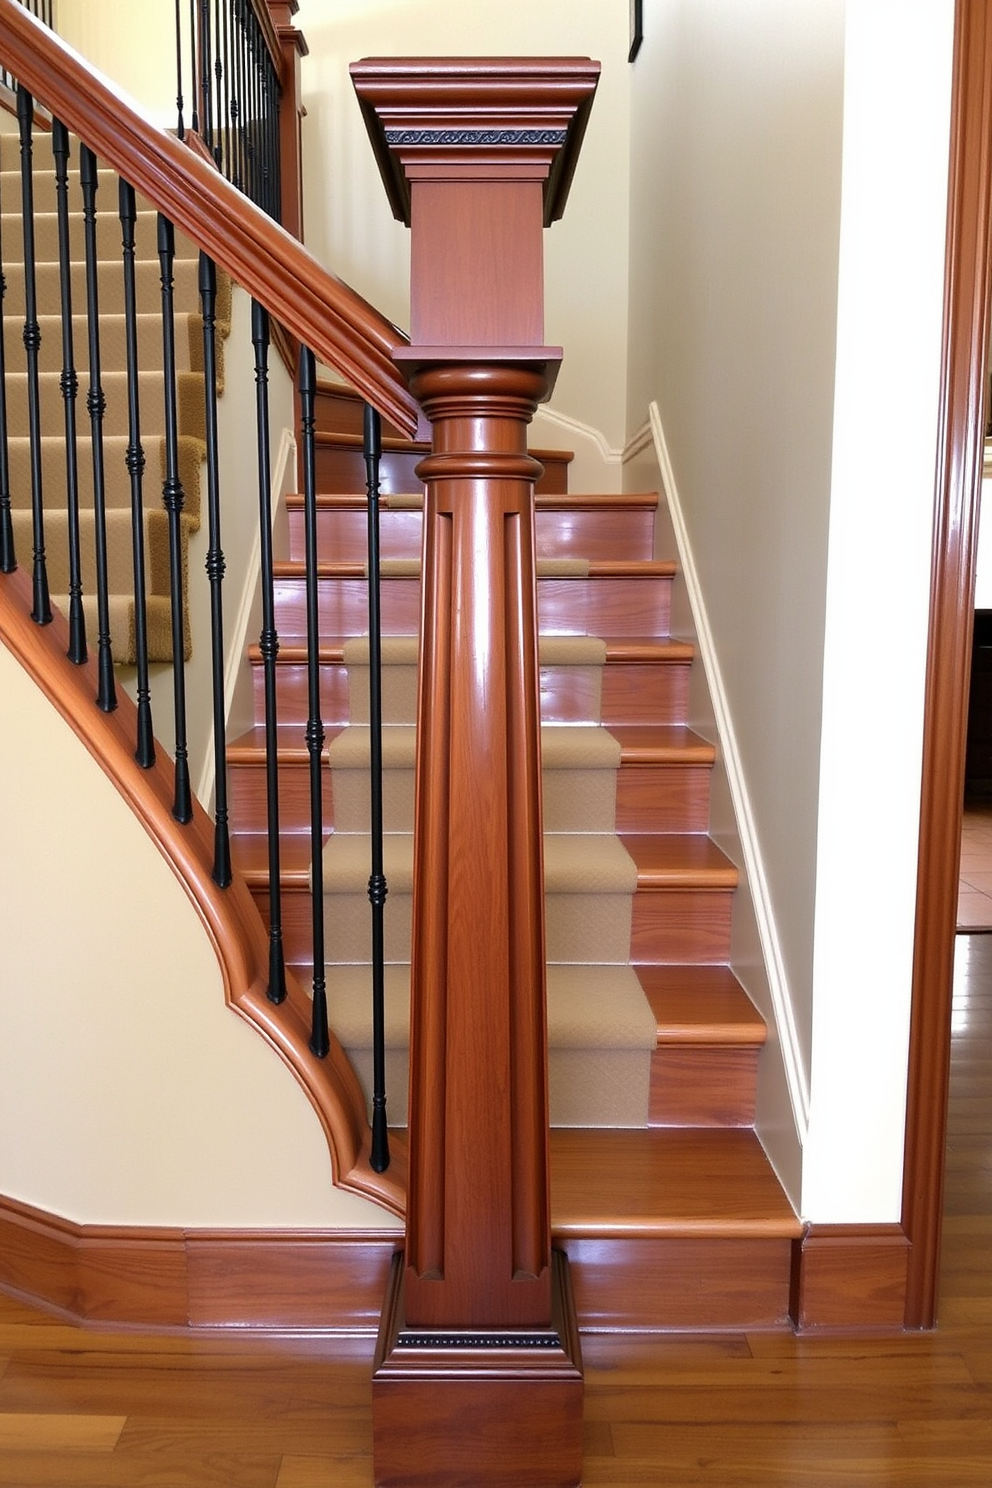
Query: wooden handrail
x,y
342,329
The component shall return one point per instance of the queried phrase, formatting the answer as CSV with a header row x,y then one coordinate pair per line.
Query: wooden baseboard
x,y
126,1276
850,1278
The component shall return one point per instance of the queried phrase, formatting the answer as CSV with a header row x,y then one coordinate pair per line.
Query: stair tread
x,y
544,501
701,1005
618,649
657,1181
660,743
597,568
679,859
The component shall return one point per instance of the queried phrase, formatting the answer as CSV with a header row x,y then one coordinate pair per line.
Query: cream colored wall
x,y
129,1094
133,45
788,200
349,225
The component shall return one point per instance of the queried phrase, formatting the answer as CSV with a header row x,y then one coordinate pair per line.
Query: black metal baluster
x,y
96,405
269,648
8,557
145,747
320,1035
378,888
173,498
222,144
41,611
215,572
69,385
180,128
236,63
195,62
229,165
206,79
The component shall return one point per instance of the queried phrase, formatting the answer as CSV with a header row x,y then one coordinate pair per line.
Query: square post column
x,y
478,1373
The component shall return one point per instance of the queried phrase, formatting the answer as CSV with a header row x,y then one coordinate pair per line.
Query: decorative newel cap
x,y
477,155
454,111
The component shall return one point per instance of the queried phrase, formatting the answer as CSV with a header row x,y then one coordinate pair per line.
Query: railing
x,y
53,465
228,90
43,9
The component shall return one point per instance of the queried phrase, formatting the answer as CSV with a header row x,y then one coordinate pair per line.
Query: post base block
x,y
490,1410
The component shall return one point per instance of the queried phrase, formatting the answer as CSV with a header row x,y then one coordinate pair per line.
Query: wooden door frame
x,y
958,486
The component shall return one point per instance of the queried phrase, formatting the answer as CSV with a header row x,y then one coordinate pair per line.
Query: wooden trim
x,y
959,469
129,1276
229,916
301,1280
341,328
850,1277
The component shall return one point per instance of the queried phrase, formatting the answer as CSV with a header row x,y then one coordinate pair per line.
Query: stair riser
x,y
292,692
46,230
592,606
115,422
681,925
639,694
113,350
703,1085
248,797
342,536
663,798
110,286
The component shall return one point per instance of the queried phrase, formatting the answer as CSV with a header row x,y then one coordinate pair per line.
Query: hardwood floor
x,y
98,1410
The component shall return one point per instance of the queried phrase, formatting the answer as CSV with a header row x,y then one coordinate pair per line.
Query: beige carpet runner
x,y
190,394
601,1029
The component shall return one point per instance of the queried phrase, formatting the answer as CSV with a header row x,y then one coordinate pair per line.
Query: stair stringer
x,y
231,920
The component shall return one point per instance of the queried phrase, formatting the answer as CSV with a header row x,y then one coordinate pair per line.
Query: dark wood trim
x,y
341,328
850,1278
126,1276
166,1278
958,481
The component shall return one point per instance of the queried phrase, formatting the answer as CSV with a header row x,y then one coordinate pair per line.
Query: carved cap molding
x,y
466,113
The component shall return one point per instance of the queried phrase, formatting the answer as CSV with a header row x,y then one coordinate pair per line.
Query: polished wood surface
x,y
320,310
95,1409
961,425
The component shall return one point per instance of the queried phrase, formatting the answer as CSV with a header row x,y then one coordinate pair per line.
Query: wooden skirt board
x,y
835,1277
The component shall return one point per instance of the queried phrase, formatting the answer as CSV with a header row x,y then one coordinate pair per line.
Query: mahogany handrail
x,y
341,327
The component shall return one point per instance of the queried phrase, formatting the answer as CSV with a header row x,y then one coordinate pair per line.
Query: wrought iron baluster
x,y
194,65
145,746
69,386
378,888
215,572
96,405
8,557
206,78
320,1034
230,103
269,648
173,499
222,146
180,128
41,611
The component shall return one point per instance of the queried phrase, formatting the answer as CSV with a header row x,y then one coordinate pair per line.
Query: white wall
x,y
129,1094
350,228
133,45
788,205
897,109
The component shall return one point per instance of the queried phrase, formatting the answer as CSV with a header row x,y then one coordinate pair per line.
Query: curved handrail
x,y
341,328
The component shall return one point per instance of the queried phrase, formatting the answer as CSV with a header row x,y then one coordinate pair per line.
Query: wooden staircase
x,y
679,1223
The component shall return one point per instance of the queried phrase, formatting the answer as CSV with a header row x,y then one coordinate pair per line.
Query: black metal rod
x,y
194,64
69,386
269,648
206,78
378,888
215,572
135,459
180,127
8,557
96,405
173,499
41,611
320,1034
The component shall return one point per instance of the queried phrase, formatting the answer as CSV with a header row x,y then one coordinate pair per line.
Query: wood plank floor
x,y
96,1410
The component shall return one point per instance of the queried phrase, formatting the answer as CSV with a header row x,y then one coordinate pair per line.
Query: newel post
x,y
478,1372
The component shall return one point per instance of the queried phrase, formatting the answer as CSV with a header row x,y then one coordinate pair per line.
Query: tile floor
x,y
975,883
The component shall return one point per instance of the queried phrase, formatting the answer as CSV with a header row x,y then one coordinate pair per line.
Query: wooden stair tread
x,y
666,1181
599,568
249,748
701,1005
250,854
679,860
544,501
661,743
623,649
392,444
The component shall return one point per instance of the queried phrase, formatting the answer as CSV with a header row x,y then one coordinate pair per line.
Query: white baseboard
x,y
794,1064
